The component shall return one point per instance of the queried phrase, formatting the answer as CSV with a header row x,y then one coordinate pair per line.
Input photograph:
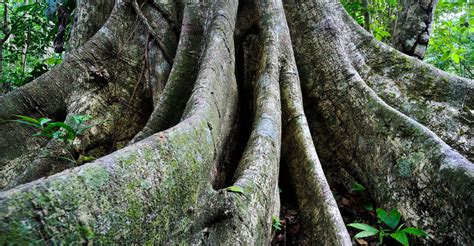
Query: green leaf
x,y
276,222
88,158
391,219
357,187
25,7
29,119
83,129
364,227
414,231
53,61
43,121
70,133
400,237
399,227
368,206
67,159
27,123
364,234
81,118
381,213
236,189
455,58
381,236
43,135
57,135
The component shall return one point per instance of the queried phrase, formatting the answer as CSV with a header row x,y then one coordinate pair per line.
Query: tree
x,y
195,96
413,28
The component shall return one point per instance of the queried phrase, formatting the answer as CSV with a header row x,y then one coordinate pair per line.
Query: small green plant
x,y
78,123
395,230
276,222
57,130
62,131
358,187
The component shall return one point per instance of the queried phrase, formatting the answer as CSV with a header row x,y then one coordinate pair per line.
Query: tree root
x,y
257,172
156,36
92,81
90,16
100,197
404,164
172,101
440,101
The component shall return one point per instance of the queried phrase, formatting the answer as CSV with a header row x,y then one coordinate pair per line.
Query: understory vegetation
x,y
28,30
451,46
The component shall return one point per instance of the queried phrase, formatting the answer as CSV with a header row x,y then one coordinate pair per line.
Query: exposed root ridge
x,y
165,186
140,185
440,101
318,209
177,90
403,164
91,81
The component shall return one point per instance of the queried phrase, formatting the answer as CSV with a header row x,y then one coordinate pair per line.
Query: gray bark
x,y
234,93
89,17
414,25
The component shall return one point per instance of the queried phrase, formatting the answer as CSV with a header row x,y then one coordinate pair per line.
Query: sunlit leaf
x,y
365,234
234,188
364,227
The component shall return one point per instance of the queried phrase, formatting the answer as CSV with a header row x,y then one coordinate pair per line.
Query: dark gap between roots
x,y
240,133
291,231
246,59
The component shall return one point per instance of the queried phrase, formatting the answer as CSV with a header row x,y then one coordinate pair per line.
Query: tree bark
x,y
365,5
240,94
413,28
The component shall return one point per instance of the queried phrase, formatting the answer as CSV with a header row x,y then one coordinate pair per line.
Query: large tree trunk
x,y
188,109
412,31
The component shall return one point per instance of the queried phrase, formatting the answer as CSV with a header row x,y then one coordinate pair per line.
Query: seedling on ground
x,y
388,226
276,222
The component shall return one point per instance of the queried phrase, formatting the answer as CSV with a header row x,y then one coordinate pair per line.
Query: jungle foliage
x,y
28,29
451,46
